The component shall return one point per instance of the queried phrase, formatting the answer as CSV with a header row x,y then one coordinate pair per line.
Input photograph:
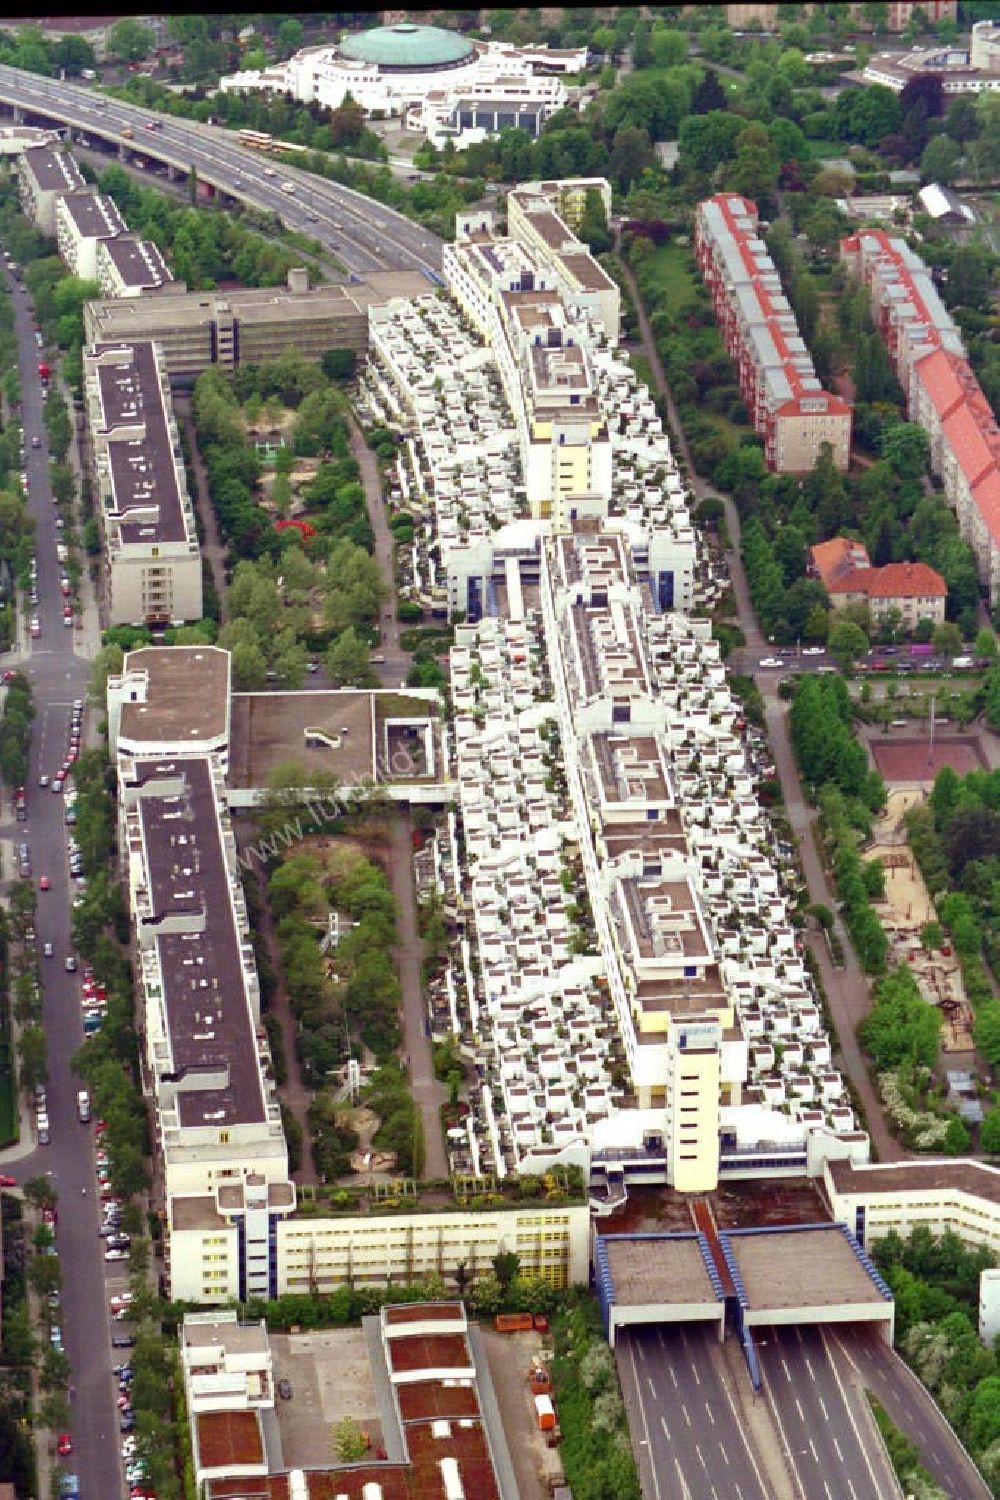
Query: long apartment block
x,y
130,267
942,392
206,1059
789,408
152,559
232,1227
46,174
83,222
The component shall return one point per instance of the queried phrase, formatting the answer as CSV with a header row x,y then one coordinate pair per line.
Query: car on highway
x,y
47,950
36,442
44,883
35,627
771,661
64,1445
69,963
6,1181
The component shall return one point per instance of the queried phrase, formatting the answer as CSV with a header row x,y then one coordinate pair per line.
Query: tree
x,y
289,36
631,154
987,1031
902,1027
339,364
947,639
957,1139
348,663
506,1264
906,448
940,160
986,644
709,94
129,40
593,226
74,53
350,1444
846,642
989,1133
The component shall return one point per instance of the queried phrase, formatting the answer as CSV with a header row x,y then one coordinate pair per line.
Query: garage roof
x,y
800,1267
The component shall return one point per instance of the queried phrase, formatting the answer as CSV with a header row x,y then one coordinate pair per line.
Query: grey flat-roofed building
x,y
45,174
83,220
152,557
249,325
210,1031
130,267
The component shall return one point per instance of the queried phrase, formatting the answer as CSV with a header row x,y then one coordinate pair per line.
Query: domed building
x,y
435,80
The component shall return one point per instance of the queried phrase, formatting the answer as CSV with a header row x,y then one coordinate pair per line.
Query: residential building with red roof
x,y
912,589
788,405
942,392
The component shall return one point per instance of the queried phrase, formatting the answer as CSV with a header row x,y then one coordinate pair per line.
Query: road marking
x,y
823,1409
652,1387
663,1424
798,1408
850,1486
641,1353
701,1457
685,1411
673,1377
836,1448
725,1455
710,1416
812,1449
645,1424
810,1368
694,1372
784,1366
876,1488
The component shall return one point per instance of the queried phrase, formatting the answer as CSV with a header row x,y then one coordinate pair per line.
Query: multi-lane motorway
x,y
828,1436
686,1430
59,676
363,234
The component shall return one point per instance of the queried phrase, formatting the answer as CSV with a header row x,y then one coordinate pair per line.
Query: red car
x,y
43,884
64,1445
8,1181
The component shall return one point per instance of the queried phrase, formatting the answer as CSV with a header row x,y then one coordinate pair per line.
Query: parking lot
x,y
331,1379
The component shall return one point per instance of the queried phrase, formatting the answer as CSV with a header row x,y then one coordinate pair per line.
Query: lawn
x,y
9,1124
672,270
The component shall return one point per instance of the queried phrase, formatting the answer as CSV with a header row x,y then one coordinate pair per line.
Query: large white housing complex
x,y
435,80
633,978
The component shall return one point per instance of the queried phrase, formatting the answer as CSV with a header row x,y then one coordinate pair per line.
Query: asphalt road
x,y
828,1439
58,677
685,1427
363,234
862,1354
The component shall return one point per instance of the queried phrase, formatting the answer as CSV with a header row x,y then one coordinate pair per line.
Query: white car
x,y
116,1255
813,650
771,661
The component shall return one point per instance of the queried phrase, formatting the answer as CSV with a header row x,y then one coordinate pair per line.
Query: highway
x,y
686,1430
829,1439
861,1354
58,676
363,234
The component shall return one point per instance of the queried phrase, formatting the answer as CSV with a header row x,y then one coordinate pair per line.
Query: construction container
x,y
545,1413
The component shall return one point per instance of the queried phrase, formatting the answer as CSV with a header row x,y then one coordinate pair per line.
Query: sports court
x,y
909,760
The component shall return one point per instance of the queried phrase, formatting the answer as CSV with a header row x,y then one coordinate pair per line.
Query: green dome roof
x,y
407,46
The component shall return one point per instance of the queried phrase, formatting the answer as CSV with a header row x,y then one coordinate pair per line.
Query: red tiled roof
x,y
838,557
906,580
987,497
941,375
970,443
